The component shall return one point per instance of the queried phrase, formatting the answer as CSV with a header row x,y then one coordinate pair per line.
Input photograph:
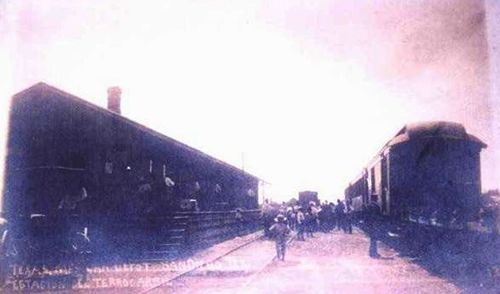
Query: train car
x,y
428,172
71,165
306,197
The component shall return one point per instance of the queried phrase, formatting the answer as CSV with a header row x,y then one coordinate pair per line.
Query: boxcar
x,y
306,197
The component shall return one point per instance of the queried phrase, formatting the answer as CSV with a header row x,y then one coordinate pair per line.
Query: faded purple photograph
x,y
250,146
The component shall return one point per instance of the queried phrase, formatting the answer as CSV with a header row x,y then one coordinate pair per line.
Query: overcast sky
x,y
306,92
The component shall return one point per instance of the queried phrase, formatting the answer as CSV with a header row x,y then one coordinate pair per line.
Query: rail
x,y
204,264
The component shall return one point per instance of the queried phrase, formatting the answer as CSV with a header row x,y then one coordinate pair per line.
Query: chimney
x,y
114,99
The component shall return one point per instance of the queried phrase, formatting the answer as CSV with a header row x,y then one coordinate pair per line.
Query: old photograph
x,y
217,146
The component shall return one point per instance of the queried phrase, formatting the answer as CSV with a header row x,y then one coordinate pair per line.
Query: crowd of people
x,y
310,218
305,219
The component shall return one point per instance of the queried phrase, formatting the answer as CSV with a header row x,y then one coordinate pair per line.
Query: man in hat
x,y
373,221
301,223
280,231
4,266
238,215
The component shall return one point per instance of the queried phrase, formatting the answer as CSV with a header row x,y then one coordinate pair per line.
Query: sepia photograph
x,y
265,146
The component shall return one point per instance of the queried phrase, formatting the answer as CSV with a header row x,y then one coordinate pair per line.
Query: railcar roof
x,y
422,130
433,129
41,86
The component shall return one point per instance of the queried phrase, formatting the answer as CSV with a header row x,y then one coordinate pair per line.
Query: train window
x,y
164,171
150,166
251,192
372,177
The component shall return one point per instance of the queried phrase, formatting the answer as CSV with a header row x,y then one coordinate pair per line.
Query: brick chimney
x,y
114,99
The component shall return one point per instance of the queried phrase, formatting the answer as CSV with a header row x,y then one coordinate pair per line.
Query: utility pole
x,y
243,161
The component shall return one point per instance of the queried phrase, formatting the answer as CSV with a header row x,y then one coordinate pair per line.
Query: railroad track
x,y
245,284
263,268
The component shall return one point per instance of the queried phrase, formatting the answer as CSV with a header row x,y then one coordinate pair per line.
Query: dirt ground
x,y
327,263
339,263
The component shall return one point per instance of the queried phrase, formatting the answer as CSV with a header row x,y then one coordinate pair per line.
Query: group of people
x,y
279,221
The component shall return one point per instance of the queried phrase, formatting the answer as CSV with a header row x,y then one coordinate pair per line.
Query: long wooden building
x,y
65,152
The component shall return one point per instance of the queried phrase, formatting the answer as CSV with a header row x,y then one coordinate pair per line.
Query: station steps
x,y
170,242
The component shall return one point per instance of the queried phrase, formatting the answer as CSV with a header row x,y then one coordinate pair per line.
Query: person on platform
x,y
373,226
331,216
324,217
348,218
280,232
315,210
309,223
267,216
4,266
334,216
300,224
340,215
291,215
240,223
489,217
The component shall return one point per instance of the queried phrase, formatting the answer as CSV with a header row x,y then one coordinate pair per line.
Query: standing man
x,y
348,217
340,214
238,215
266,217
373,226
292,218
4,265
315,214
300,224
280,231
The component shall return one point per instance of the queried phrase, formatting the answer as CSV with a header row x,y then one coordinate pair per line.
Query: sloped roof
x,y
41,86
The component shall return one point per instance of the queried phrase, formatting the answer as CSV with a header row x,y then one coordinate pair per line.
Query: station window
x,y
108,167
169,182
251,192
197,186
218,188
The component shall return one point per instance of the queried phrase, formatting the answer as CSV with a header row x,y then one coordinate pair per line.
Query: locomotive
x,y
428,173
76,171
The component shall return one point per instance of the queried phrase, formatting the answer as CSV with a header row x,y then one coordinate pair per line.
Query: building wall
x,y
114,159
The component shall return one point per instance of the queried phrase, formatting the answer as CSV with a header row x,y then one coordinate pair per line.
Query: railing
x,y
130,235
206,228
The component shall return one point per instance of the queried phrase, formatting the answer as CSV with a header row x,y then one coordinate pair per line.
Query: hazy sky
x,y
306,91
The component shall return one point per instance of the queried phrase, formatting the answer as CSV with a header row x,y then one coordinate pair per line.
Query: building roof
x,y
43,87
